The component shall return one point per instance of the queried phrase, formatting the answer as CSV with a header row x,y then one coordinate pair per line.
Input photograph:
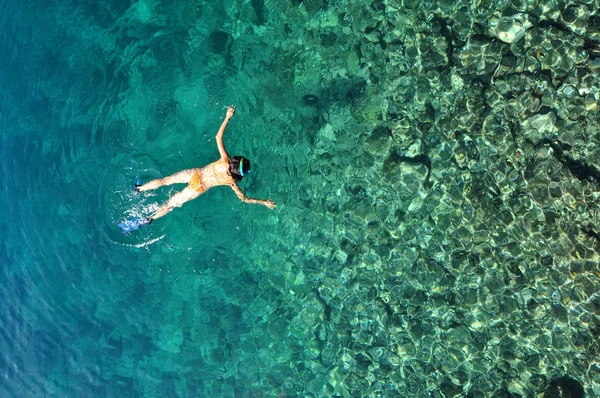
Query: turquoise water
x,y
435,167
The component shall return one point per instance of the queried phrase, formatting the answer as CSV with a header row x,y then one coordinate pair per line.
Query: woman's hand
x,y
270,204
230,112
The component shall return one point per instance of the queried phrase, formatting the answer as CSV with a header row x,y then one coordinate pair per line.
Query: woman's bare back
x,y
215,174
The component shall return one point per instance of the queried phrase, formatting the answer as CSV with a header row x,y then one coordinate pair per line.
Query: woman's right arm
x,y
268,203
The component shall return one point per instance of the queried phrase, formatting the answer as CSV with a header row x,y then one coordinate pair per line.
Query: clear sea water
x,y
94,94
379,273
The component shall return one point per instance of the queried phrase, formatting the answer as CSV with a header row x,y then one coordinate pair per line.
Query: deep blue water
x,y
94,94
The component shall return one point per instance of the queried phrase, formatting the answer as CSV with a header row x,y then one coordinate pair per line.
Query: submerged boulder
x,y
217,41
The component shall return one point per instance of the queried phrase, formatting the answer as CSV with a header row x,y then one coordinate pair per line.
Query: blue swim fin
x,y
133,224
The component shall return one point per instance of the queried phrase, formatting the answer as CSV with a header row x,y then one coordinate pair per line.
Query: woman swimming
x,y
225,171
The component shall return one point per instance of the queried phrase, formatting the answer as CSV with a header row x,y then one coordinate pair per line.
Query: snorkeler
x,y
225,171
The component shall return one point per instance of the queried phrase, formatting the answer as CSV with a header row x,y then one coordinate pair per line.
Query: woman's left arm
x,y
268,203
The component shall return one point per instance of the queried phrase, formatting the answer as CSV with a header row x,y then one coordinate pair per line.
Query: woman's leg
x,y
181,177
176,200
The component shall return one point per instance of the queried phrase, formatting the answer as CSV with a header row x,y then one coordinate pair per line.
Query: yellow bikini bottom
x,y
196,182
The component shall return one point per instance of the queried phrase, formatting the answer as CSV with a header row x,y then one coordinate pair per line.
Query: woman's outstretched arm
x,y
220,145
269,203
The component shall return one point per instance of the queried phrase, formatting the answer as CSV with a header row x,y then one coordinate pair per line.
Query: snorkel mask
x,y
242,160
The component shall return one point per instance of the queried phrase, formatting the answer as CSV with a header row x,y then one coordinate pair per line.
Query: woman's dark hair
x,y
239,167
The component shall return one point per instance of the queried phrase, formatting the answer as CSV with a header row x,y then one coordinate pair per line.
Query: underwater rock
x,y
312,7
310,99
594,65
259,9
510,29
591,101
576,18
378,143
217,41
564,387
449,388
539,126
556,50
329,20
170,339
